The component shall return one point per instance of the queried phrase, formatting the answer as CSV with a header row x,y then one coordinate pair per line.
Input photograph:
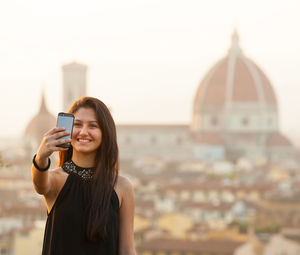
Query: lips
x,y
83,140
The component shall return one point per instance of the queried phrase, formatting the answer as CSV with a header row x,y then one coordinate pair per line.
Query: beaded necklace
x,y
86,173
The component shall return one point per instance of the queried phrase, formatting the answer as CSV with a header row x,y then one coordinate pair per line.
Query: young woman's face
x,y
87,134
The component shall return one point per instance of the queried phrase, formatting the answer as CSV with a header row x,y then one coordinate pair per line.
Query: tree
x,y
1,160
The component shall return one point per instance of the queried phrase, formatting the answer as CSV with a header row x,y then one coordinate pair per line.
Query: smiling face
x,y
87,135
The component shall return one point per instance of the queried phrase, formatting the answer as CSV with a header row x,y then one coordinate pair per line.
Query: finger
x,y
59,135
52,144
61,149
61,141
51,139
49,132
58,148
55,130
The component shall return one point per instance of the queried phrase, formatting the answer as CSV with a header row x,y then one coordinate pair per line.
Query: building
x,y
275,244
283,211
74,87
171,142
41,123
74,83
235,114
29,240
165,246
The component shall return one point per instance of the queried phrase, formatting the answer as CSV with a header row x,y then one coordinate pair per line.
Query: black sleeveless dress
x,y
65,227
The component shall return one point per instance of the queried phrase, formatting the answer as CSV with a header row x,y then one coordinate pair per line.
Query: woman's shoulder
x,y
123,181
58,177
123,188
58,173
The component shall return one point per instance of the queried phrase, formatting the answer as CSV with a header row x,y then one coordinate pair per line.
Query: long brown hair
x,y
106,173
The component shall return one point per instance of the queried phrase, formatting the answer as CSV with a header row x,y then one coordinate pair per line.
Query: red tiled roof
x,y
277,139
244,89
211,246
212,89
215,92
144,203
236,79
211,139
207,206
193,186
26,209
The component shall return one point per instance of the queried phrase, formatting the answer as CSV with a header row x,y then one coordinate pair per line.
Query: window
x,y
128,140
153,140
3,251
214,121
245,121
179,141
270,121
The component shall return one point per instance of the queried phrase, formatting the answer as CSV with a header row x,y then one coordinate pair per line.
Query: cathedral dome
x,y
235,95
40,123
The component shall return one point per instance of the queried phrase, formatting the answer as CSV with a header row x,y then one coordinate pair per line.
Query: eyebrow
x,y
88,121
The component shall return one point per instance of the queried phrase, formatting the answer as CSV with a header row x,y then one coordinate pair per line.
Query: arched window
x,y
214,121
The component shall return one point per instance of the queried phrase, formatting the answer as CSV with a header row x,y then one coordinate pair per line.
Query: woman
x,y
90,206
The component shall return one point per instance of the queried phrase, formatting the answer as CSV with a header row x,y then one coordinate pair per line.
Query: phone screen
x,y
65,120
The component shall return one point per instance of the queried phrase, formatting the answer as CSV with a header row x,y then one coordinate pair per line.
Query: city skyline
x,y
142,63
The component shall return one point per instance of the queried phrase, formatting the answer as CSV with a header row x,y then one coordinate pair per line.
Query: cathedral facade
x,y
235,114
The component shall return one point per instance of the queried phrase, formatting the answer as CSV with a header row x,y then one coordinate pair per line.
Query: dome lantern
x,y
235,43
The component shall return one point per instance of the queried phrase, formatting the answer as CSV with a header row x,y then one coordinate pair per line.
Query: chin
x,y
84,149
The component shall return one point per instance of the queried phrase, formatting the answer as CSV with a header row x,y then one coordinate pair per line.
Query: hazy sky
x,y
145,57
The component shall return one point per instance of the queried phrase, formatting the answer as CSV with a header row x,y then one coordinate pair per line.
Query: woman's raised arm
x,y
41,178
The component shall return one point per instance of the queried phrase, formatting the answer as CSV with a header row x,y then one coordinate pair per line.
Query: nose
x,y
83,130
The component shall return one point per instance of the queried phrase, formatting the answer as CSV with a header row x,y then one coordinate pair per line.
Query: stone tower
x,y
74,83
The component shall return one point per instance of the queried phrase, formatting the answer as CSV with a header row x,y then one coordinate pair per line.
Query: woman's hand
x,y
45,182
49,144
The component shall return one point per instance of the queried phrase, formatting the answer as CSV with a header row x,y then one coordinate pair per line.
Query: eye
x,y
76,124
93,125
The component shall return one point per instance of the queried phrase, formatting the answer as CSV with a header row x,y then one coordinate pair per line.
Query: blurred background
x,y
205,95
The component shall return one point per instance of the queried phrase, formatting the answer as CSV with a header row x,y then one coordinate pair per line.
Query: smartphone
x,y
65,120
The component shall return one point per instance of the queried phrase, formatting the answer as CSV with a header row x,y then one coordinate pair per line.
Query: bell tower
x,y
74,83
